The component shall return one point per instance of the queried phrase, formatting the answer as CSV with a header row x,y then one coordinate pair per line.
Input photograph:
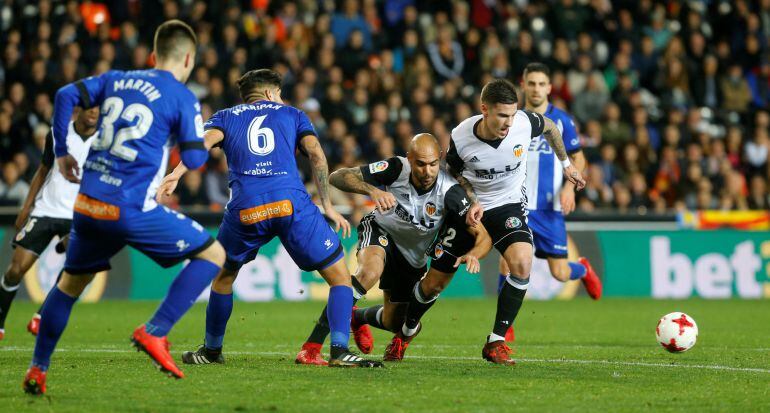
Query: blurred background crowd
x,y
670,97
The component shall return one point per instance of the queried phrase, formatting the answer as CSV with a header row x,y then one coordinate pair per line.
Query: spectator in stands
x,y
13,190
735,90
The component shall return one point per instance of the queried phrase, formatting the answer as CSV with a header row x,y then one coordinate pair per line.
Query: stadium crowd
x,y
670,98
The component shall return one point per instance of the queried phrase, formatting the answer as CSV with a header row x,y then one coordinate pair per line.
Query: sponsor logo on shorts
x,y
438,251
518,150
430,209
512,223
272,210
383,240
96,209
378,167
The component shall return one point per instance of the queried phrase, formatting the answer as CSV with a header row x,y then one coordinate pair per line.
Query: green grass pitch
x,y
573,356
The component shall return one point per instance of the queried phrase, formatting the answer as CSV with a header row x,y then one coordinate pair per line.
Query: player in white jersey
x,y
417,200
47,211
549,197
488,156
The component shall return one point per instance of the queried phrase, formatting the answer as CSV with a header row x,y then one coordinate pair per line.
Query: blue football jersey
x,y
143,114
544,171
260,142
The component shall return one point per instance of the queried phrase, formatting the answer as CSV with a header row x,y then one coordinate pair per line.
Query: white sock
x,y
494,337
409,331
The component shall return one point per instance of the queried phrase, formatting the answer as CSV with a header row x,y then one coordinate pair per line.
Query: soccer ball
x,y
676,332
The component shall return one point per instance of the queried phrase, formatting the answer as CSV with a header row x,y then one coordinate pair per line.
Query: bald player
x,y
416,200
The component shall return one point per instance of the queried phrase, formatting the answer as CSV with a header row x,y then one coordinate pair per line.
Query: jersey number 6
x,y
261,140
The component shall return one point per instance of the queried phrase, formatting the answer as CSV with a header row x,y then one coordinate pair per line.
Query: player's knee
x,y
368,278
560,274
223,283
14,274
502,266
215,253
431,288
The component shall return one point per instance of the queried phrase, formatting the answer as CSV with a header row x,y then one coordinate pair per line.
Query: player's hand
x,y
167,187
69,168
471,263
474,215
574,176
339,221
383,199
567,199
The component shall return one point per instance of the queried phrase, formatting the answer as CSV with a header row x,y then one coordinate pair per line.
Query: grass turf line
x,y
574,355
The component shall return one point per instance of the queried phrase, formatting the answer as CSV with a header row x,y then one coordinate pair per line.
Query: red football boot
x,y
2,333
311,354
497,352
509,335
158,350
397,347
34,381
362,334
591,281
34,324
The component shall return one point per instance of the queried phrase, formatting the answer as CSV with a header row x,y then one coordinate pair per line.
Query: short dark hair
x,y
253,80
537,67
171,36
499,91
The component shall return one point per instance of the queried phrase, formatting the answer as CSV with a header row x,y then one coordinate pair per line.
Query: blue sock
x,y
577,271
338,310
217,313
187,286
501,282
53,319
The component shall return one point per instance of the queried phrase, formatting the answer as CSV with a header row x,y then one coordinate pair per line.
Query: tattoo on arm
x,y
351,180
320,167
458,176
553,137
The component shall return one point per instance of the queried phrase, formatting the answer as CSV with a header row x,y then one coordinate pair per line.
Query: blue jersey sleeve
x,y
190,134
216,121
86,93
304,126
570,135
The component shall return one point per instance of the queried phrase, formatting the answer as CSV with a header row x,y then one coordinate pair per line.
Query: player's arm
x,y
365,180
312,147
169,183
455,166
85,93
553,136
572,145
37,182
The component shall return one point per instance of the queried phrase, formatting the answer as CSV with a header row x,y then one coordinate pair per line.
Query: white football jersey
x,y
495,168
56,198
418,215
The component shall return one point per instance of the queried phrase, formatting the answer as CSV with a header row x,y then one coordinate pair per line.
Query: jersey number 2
x,y
112,110
261,140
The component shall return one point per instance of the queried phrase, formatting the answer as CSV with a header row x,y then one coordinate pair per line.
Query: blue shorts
x,y
166,236
288,214
549,233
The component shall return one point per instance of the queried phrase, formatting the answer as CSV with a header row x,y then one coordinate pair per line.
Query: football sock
x,y
338,310
371,316
321,328
185,289
508,303
577,270
500,282
7,293
58,277
54,316
419,304
217,314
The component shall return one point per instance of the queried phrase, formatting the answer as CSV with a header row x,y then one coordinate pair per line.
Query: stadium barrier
x,y
637,257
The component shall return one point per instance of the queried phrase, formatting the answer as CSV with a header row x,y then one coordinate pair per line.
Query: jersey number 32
x,y
112,110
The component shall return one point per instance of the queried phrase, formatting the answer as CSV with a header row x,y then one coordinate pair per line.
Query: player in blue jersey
x,y
143,113
549,196
268,199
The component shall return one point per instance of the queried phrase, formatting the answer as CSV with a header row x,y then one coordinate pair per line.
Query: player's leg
x,y
88,253
169,237
28,244
511,236
21,261
503,273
